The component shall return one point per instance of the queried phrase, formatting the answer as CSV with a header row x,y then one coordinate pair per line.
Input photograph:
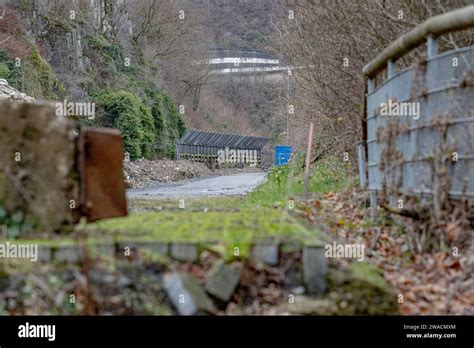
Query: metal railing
x,y
460,19
410,154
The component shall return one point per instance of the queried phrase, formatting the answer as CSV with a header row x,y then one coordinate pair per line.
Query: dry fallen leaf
x,y
453,232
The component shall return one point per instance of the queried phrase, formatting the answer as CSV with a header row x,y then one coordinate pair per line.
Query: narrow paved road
x,y
227,185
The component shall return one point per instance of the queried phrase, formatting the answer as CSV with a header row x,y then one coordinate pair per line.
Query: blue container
x,y
282,154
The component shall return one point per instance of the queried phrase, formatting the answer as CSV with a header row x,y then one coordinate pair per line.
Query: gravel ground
x,y
143,173
225,185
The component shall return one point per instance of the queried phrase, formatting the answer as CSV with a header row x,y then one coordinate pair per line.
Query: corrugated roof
x,y
234,141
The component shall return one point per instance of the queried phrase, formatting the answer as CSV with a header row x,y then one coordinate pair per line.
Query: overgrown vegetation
x,y
234,221
127,112
95,67
33,76
285,182
149,120
365,29
168,123
229,228
14,224
150,126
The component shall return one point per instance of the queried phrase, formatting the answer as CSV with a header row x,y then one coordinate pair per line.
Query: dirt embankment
x,y
142,173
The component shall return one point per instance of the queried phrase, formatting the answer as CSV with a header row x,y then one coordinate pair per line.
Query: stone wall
x,y
38,184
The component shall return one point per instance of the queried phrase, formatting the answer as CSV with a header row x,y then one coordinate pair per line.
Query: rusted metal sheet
x,y
100,156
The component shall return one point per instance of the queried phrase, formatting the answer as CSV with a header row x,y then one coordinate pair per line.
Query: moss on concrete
x,y
358,290
230,228
362,290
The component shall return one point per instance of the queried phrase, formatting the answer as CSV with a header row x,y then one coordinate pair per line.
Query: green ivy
x,y
127,112
161,125
113,53
4,71
169,125
175,126
149,132
33,77
9,71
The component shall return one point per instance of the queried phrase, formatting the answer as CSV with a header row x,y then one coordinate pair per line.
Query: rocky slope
x,y
83,51
7,92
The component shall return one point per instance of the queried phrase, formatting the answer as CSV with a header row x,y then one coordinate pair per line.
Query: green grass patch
x,y
223,222
232,221
285,182
184,225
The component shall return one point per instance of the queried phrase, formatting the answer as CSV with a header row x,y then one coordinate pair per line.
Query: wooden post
x,y
308,159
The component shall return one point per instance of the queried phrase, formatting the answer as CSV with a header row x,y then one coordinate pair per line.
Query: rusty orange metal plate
x,y
100,156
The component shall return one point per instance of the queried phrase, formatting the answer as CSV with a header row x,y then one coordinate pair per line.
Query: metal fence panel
x,y
207,144
444,90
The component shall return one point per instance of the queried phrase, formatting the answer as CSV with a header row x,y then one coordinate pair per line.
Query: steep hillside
x,y
83,52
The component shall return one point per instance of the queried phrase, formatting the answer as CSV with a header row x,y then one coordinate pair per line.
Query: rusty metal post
x,y
308,159
100,157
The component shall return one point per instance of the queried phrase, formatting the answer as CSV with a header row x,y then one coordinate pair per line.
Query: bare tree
x,y
328,42
172,35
